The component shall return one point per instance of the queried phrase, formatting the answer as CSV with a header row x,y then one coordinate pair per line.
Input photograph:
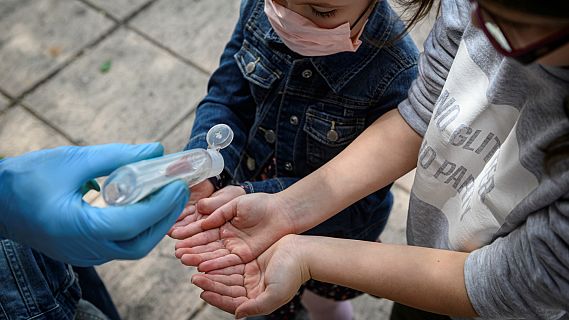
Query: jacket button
x,y
250,67
270,136
288,166
307,74
294,120
250,163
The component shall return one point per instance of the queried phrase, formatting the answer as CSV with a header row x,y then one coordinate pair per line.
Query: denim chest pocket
x,y
327,135
255,67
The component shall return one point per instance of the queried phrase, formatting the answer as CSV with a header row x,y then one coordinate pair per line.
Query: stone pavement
x,y
98,71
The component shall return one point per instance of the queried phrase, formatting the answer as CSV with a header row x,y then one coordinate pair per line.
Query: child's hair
x,y
415,10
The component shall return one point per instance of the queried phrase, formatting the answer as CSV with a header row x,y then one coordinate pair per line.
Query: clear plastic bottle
x,y
133,182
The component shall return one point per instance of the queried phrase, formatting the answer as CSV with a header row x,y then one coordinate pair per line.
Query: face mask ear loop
x,y
372,5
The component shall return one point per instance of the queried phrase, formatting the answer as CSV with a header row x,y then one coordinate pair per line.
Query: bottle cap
x,y
219,137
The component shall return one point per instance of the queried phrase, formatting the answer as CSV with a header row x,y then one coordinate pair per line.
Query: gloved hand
x,y
41,205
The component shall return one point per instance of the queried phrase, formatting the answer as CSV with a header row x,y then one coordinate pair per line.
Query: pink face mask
x,y
305,38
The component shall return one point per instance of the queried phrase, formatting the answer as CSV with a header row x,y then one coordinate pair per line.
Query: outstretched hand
x,y
259,286
234,234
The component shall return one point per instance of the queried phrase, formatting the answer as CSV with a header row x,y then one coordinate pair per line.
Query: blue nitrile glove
x,y
41,205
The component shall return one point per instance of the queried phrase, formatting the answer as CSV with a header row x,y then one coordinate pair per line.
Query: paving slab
x,y
213,313
125,90
367,307
21,132
395,230
176,140
198,30
155,287
406,182
3,102
39,36
119,9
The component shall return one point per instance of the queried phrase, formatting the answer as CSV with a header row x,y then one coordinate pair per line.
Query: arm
x,y
382,153
424,278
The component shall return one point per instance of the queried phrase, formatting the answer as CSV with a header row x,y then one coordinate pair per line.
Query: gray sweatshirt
x,y
481,186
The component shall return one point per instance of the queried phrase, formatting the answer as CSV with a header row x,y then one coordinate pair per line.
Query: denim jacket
x,y
287,106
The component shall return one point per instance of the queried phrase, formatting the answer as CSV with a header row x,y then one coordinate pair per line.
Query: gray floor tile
x,y
141,97
367,307
21,132
196,29
155,287
396,225
3,102
178,138
38,36
406,182
213,313
119,9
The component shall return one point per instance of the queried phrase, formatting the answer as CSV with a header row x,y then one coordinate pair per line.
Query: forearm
x,y
424,278
382,153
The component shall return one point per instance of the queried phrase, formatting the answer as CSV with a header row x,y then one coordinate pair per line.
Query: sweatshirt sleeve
x,y
524,274
435,62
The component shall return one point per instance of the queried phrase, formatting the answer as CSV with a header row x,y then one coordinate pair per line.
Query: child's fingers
x,y
227,304
190,208
199,239
228,280
196,259
199,249
233,280
189,218
218,199
219,263
189,230
221,215
208,284
237,269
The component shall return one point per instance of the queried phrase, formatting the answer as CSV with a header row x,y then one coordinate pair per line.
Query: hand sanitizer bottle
x,y
133,182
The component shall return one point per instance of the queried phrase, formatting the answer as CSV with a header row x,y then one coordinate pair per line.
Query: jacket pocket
x,y
327,135
255,67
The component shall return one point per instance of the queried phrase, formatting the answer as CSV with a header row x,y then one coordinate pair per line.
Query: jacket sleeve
x,y
273,185
435,62
228,100
524,274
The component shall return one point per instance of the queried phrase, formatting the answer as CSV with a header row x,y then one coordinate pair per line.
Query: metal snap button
x,y
251,164
270,136
306,74
332,134
288,166
294,120
250,67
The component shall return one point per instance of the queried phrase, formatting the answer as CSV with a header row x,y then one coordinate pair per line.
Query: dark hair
x,y
413,12
557,150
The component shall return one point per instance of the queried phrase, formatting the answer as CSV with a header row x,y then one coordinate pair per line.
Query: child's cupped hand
x,y
236,233
260,286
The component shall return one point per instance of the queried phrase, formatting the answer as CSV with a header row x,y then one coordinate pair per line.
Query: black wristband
x,y
220,181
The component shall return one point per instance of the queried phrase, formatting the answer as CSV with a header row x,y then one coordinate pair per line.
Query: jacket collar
x,y
338,69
